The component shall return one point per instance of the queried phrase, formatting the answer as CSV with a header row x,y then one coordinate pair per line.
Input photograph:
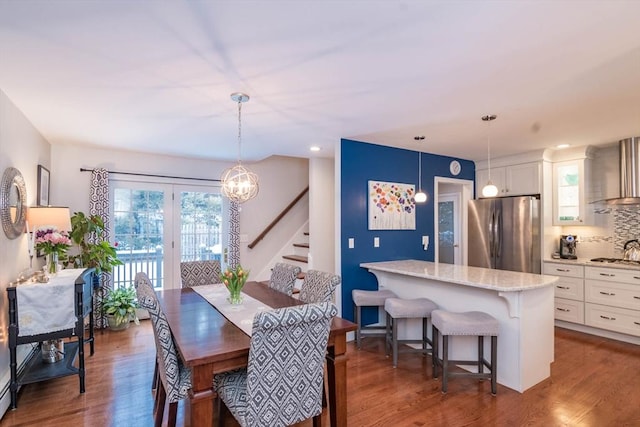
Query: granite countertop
x,y
498,280
588,263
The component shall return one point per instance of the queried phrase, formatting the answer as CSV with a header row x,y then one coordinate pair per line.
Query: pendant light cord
x,y
489,119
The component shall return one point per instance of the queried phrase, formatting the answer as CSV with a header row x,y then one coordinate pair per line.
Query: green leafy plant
x,y
121,304
97,253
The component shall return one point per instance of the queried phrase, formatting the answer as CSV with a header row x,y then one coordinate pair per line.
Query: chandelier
x,y
239,184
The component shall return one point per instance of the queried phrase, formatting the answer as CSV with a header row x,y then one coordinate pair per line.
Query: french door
x,y
156,226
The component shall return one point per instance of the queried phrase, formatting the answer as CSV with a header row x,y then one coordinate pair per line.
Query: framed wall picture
x,y
391,206
43,186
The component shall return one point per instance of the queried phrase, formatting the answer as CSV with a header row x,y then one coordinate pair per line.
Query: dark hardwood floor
x,y
594,382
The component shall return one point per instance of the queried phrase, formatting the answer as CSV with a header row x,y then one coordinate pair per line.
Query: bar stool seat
x,y
400,308
472,323
362,298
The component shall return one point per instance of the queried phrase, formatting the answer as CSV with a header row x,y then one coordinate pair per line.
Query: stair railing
x,y
278,218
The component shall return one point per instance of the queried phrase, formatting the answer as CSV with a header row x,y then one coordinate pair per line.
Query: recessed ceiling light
x,y
561,146
314,148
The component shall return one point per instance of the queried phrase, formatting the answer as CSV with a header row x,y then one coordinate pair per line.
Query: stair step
x,y
298,258
301,245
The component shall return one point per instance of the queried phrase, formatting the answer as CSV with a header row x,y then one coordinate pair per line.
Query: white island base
x,y
522,303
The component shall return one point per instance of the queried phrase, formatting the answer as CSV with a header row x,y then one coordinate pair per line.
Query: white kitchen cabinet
x,y
597,297
570,179
612,299
569,291
514,180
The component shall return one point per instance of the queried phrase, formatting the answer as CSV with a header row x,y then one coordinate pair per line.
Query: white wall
x,y
321,218
281,179
21,147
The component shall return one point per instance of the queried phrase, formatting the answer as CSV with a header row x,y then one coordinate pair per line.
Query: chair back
x,y
286,364
168,361
197,273
318,286
283,277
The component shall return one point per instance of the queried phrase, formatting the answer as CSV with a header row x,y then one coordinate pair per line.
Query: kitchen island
x,y
522,303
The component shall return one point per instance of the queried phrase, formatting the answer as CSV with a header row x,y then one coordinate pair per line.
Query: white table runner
x,y
48,307
240,315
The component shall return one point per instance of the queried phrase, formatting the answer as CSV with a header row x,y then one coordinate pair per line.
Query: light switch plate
x,y
352,242
376,242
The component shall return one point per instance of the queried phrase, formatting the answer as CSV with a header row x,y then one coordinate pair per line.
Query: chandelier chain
x,y
240,130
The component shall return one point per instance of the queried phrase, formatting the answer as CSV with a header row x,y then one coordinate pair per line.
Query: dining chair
x,y
196,273
283,277
175,378
318,286
282,383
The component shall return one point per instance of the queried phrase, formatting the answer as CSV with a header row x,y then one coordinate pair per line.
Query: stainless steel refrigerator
x,y
504,233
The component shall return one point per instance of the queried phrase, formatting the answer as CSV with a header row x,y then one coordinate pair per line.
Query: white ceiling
x,y
155,76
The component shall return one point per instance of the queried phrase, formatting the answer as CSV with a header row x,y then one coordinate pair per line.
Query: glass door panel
x,y
141,217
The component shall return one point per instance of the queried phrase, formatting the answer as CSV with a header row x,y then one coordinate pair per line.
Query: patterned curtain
x,y
234,235
99,205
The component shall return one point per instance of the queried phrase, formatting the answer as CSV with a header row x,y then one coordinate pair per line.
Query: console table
x,y
79,283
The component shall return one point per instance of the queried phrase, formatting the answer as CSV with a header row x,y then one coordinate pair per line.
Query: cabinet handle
x,y
563,270
607,275
636,277
611,294
636,297
607,318
562,287
637,323
563,309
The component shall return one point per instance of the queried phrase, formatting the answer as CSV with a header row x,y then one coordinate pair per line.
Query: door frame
x,y
465,189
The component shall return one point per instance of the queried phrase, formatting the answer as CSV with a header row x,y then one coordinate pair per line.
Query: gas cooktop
x,y
616,261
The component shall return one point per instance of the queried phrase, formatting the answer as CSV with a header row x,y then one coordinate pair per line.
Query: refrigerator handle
x,y
492,222
497,237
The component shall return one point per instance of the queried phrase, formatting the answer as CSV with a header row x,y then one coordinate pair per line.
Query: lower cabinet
x,y
569,291
600,297
612,299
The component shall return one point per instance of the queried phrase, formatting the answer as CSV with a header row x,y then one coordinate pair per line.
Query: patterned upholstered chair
x,y
196,273
274,390
283,277
175,379
318,286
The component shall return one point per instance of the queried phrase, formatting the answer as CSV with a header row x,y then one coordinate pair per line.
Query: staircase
x,y
300,256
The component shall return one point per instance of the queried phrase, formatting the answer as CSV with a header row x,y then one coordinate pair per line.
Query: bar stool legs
x,y
362,298
398,308
470,324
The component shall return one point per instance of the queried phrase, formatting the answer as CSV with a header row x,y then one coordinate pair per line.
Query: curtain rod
x,y
154,175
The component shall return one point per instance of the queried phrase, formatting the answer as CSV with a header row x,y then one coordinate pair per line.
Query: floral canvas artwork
x,y
391,206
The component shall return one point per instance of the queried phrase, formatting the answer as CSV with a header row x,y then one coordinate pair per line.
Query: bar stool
x,y
472,323
399,308
363,298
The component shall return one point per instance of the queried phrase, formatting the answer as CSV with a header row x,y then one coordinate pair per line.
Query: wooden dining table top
x,y
203,335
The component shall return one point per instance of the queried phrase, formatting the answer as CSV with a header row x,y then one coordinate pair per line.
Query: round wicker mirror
x,y
13,203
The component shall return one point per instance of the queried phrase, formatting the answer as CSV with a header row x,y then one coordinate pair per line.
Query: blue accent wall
x,y
361,162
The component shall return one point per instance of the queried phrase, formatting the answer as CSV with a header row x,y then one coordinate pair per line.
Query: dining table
x,y
208,343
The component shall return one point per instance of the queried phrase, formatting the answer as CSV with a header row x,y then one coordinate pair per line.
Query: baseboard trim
x,y
24,354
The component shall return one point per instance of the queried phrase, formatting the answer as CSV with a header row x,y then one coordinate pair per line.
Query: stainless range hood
x,y
629,173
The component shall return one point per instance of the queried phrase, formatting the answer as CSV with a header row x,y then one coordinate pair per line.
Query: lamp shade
x,y
49,216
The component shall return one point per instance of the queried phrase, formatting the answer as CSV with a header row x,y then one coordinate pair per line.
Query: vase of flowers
x,y
234,279
52,243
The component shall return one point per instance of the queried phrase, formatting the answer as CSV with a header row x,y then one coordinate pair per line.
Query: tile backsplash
x,y
613,226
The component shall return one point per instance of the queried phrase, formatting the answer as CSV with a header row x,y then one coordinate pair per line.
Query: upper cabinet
x,y
514,180
569,201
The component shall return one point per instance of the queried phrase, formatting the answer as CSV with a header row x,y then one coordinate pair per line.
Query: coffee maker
x,y
568,247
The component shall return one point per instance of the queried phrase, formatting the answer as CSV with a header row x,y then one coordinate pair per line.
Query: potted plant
x,y
120,308
99,253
